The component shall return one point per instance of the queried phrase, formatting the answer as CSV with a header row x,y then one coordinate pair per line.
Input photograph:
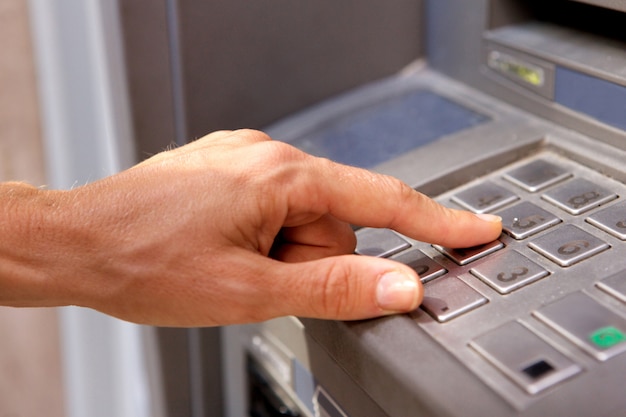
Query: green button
x,y
606,337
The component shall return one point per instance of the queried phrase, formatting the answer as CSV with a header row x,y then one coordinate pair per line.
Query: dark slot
x,y
538,369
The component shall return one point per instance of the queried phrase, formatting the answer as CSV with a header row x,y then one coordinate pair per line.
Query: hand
x,y
236,228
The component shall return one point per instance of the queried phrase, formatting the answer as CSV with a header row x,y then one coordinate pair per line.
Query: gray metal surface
x,y
565,277
575,49
460,31
408,365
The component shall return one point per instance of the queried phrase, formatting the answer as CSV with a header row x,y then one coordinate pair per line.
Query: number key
x,y
464,256
578,196
449,297
484,197
426,268
612,220
568,245
379,242
525,219
537,175
508,271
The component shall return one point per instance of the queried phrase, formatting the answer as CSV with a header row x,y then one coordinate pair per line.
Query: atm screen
x,y
378,133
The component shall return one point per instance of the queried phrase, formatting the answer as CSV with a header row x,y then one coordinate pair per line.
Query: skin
x,y
232,228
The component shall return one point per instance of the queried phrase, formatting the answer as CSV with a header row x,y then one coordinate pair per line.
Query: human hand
x,y
236,228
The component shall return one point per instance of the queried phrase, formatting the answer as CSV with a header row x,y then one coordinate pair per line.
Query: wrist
x,y
29,246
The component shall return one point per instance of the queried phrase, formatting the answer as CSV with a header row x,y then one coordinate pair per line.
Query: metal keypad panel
x,y
544,304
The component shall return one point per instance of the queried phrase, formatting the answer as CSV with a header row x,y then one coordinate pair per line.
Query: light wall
x,y
30,370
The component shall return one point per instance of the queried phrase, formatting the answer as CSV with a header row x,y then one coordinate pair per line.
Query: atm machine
x,y
513,107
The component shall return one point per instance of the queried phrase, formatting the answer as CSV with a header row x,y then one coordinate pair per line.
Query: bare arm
x,y
232,228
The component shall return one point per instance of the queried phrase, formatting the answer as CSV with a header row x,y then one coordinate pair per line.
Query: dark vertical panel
x,y
173,348
190,367
147,55
212,384
248,63
454,35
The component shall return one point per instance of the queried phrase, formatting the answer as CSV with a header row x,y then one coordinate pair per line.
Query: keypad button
x,y
448,297
526,219
464,256
379,242
568,245
426,268
484,197
612,220
525,358
508,271
615,285
578,196
537,175
586,323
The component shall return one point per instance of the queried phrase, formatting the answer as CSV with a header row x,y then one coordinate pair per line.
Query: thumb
x,y
348,287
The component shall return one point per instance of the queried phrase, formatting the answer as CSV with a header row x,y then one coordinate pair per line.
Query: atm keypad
x,y
563,224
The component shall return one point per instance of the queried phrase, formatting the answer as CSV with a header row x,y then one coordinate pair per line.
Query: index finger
x,y
366,198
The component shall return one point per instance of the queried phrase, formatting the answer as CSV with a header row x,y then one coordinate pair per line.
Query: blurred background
x,y
89,87
31,383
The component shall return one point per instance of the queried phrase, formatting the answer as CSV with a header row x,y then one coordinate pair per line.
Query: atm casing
x,y
388,366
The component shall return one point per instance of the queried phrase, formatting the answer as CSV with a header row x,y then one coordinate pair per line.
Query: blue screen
x,y
375,134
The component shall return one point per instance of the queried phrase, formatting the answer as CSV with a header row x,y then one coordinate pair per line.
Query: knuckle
x,y
405,197
281,152
406,193
279,163
252,135
335,293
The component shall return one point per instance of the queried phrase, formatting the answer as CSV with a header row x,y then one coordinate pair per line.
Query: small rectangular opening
x,y
582,17
538,369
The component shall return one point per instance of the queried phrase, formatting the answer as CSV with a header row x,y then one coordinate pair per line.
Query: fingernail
x,y
397,291
489,217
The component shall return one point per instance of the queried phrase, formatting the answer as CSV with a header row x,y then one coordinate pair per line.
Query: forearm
x,y
29,250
